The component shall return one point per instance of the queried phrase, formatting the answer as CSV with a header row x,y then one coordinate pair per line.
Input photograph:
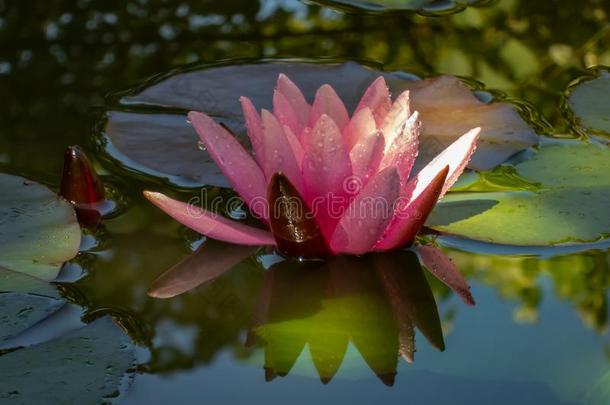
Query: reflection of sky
x,y
270,7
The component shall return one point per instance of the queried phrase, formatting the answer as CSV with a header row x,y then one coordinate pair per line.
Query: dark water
x,y
538,334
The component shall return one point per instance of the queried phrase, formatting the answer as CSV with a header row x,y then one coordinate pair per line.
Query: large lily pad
x,y
426,6
38,229
87,366
154,138
589,102
569,206
20,311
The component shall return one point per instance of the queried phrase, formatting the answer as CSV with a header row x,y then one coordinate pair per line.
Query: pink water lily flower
x,y
323,182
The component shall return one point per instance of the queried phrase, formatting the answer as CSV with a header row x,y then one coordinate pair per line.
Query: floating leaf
x,y
155,139
20,311
12,281
88,366
571,204
589,101
38,230
426,6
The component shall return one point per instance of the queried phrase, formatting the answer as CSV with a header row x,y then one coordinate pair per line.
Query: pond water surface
x,y
539,331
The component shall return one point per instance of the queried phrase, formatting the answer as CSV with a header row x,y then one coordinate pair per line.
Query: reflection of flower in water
x,y
375,302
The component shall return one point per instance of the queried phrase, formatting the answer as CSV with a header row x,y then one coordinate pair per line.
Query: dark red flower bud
x,y
82,186
293,225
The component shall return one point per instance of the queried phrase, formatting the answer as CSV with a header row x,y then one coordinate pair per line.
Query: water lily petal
x,y
366,155
409,218
254,127
395,120
368,214
295,97
295,144
326,166
445,270
403,151
456,156
279,155
285,114
377,99
210,224
327,102
362,124
237,165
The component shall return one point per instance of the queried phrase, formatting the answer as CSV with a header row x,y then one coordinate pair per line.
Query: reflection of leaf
x,y
589,101
38,230
571,205
87,366
20,311
211,259
156,141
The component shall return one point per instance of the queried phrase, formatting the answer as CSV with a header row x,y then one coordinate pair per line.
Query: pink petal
x,y
295,97
368,214
456,156
377,99
362,124
285,114
326,166
327,102
254,127
445,270
295,144
366,156
410,217
236,164
395,120
279,155
210,224
403,151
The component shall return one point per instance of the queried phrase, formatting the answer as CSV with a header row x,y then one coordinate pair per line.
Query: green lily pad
x,y
38,229
12,281
427,6
154,138
19,312
569,206
88,366
589,102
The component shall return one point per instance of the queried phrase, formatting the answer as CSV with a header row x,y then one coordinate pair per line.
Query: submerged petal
x,y
209,223
377,99
237,165
445,270
327,102
409,218
368,215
